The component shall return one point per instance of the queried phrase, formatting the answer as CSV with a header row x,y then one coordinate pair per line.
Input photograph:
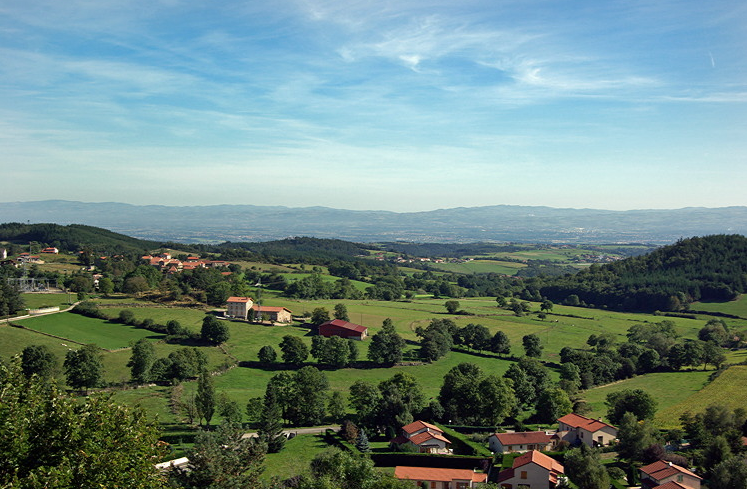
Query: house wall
x,y
495,445
608,435
537,477
686,480
238,309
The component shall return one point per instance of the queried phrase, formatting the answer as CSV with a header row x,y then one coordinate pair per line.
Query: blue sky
x,y
393,105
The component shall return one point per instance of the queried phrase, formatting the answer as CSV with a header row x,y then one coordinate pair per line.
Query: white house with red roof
x,y
344,329
423,437
666,475
519,442
575,428
532,470
51,250
438,478
238,307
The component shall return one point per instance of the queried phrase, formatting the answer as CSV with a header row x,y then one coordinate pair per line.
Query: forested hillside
x,y
71,237
668,279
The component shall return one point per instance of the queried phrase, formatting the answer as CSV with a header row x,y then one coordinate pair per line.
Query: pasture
x,y
728,389
668,388
480,266
35,301
104,334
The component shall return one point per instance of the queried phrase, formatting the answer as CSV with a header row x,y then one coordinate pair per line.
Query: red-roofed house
x,y
424,437
238,307
519,442
532,470
575,428
666,475
437,478
344,329
51,250
274,314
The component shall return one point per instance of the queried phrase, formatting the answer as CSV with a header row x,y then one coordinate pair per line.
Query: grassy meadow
x,y
564,326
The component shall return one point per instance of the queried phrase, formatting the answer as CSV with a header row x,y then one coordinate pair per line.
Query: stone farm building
x,y
239,307
343,329
274,314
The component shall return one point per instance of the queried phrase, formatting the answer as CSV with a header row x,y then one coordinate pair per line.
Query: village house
x,y
3,254
238,307
576,429
532,470
274,314
438,478
519,442
50,250
343,329
422,437
666,475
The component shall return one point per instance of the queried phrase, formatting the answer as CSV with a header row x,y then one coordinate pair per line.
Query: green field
x,y
35,301
82,329
480,266
728,389
668,388
295,457
737,307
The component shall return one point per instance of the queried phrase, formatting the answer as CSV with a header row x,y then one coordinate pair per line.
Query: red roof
x,y
661,470
239,299
540,459
255,307
578,421
426,436
419,425
346,325
671,485
438,474
524,438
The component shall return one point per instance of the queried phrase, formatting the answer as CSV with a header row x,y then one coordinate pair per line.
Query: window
x,y
680,478
523,474
433,484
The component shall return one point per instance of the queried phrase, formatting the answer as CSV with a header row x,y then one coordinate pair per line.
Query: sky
x,y
405,105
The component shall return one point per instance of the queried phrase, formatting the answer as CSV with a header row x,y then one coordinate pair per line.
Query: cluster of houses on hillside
x,y
532,469
170,265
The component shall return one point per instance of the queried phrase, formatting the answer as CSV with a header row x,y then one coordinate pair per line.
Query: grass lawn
x,y
35,301
668,388
728,389
88,330
295,458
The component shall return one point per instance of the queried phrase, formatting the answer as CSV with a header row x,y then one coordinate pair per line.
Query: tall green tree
x,y
532,345
500,343
553,404
83,367
267,355
730,474
214,331
636,401
451,306
141,360
341,312
584,468
205,399
38,360
387,346
222,459
48,439
270,429
294,350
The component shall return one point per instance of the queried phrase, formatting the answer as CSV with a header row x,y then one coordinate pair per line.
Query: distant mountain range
x,y
218,223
